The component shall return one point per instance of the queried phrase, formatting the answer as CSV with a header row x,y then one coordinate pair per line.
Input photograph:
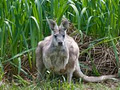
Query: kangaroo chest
x,y
56,60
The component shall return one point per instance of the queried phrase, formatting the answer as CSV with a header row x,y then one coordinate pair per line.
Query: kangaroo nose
x,y
60,43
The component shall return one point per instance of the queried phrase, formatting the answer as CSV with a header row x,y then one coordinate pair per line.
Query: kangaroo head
x,y
58,32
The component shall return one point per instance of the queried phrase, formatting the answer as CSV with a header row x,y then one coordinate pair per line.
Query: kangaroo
x,y
59,53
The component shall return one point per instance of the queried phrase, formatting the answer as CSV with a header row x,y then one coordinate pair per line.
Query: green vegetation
x,y
65,86
52,85
24,22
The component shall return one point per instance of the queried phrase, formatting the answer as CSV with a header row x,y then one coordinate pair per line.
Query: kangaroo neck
x,y
58,48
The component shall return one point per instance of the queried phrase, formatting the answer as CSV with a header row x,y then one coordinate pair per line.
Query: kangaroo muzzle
x,y
60,43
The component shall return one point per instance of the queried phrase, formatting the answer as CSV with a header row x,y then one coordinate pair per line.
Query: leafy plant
x,y
24,22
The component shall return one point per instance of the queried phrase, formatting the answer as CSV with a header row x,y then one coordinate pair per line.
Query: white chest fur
x,y
55,60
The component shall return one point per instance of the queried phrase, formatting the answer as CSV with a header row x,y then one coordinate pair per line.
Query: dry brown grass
x,y
101,55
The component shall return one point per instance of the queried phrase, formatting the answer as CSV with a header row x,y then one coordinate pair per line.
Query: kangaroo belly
x,y
56,63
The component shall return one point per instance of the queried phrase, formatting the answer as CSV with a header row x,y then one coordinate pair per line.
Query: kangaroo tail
x,y
78,73
98,79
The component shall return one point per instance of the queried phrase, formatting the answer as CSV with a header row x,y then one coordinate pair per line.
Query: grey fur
x,y
61,58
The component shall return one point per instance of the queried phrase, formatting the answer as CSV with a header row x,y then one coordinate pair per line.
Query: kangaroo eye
x,y
55,36
63,36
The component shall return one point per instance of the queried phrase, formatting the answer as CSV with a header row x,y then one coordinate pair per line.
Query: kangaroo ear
x,y
65,24
52,24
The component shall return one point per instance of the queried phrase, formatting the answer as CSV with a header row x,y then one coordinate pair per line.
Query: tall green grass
x,y
23,23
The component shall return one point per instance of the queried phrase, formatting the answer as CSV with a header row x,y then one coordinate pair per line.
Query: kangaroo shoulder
x,y
72,45
44,42
71,42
